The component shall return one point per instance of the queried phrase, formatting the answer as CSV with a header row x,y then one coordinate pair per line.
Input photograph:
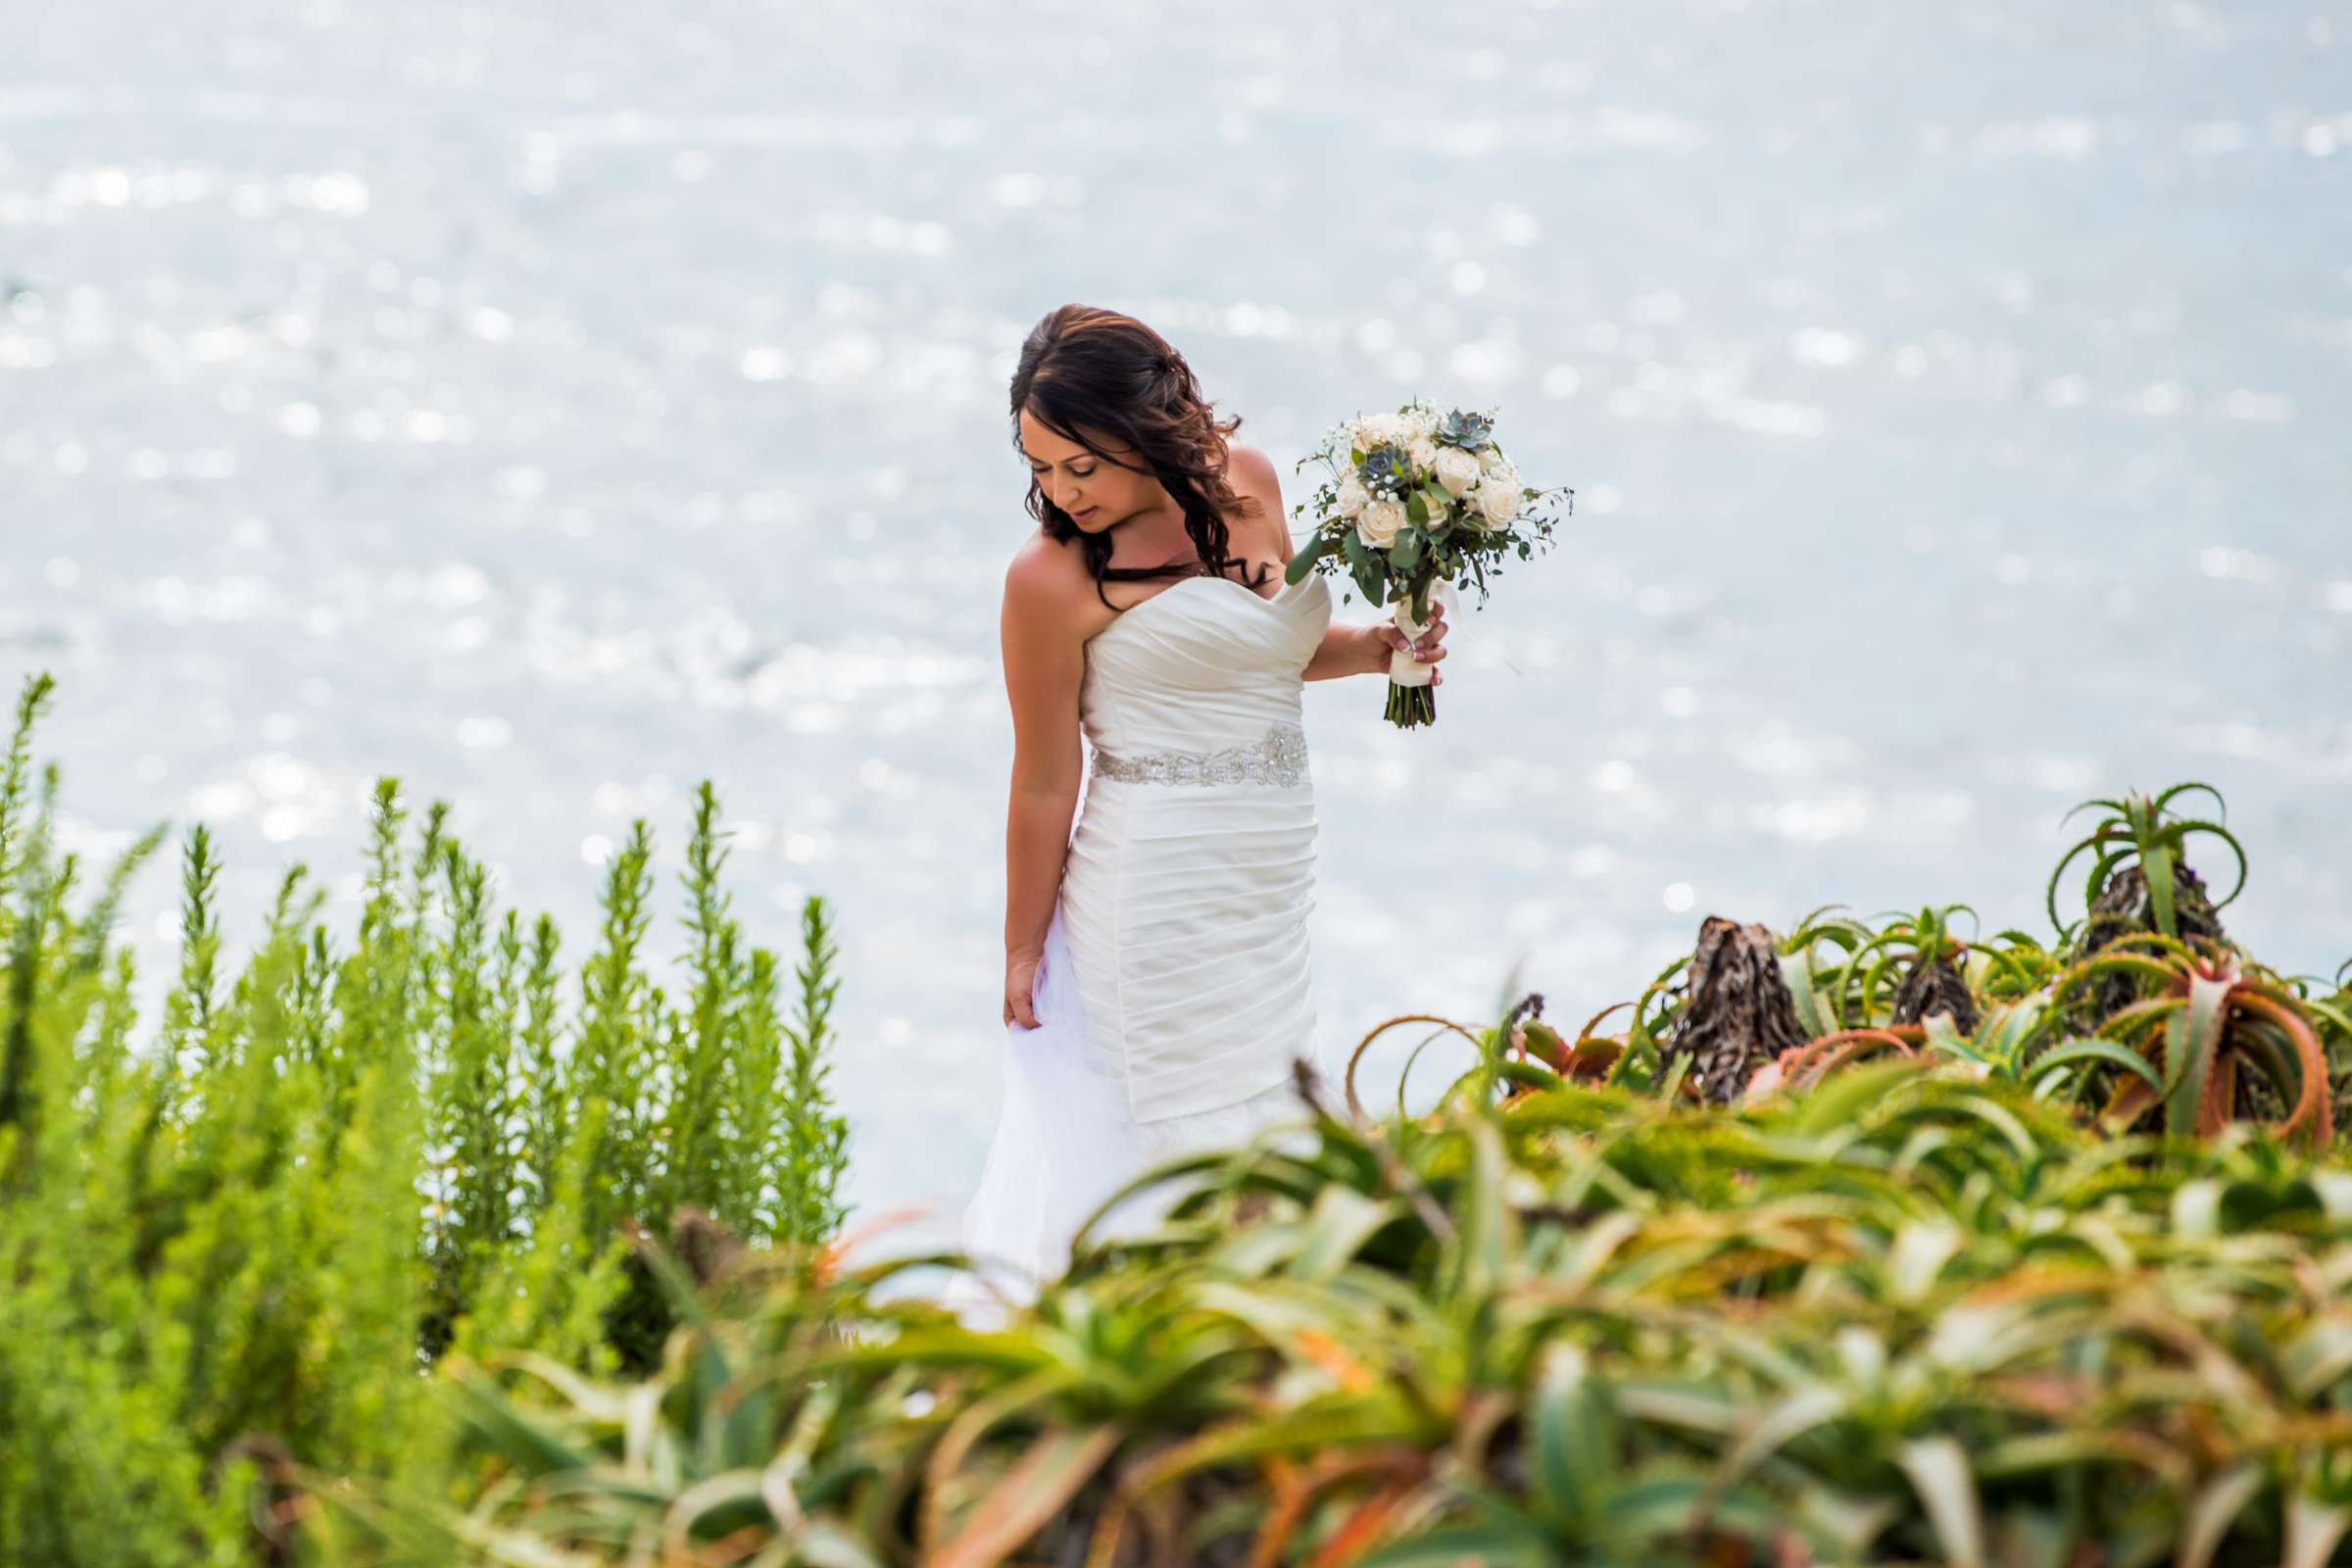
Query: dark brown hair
x,y
1082,364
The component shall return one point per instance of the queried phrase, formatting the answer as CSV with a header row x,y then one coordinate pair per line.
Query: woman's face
x,y
1097,494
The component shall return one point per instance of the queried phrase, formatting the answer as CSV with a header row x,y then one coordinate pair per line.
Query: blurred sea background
x,y
554,406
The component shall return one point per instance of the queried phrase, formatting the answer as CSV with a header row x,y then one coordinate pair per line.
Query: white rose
x,y
1382,430
1455,470
1489,459
1380,522
1423,421
1424,453
1353,497
1499,499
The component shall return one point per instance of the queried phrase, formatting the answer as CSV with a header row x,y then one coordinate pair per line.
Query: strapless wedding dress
x,y
1176,985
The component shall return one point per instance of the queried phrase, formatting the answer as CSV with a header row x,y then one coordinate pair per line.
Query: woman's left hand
x,y
1429,650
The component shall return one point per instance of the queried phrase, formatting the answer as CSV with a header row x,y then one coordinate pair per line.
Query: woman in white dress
x,y
1158,981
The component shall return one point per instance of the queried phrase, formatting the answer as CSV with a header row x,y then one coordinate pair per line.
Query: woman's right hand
x,y
1020,989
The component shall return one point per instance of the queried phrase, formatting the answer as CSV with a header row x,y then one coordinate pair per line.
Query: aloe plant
x,y
1911,1315
2140,880
2206,1021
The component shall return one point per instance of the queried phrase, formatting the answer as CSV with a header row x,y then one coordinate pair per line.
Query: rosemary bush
x,y
233,1251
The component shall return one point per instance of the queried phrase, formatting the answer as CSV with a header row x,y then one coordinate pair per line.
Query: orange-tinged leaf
x,y
1048,1476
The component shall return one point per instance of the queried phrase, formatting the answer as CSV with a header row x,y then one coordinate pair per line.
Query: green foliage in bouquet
x,y
1411,499
230,1254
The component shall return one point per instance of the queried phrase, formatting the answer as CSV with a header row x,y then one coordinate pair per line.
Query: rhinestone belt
x,y
1277,758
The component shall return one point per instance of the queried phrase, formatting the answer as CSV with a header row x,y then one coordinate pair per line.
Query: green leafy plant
x,y
1913,1315
229,1255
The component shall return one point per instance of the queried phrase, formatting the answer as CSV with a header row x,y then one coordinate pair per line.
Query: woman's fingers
x,y
1430,644
1020,1003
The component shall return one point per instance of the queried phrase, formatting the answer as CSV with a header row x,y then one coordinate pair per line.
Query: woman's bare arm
x,y
1044,659
1347,650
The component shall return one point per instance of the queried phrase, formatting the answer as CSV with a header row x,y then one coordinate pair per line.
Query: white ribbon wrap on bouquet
x,y
1403,668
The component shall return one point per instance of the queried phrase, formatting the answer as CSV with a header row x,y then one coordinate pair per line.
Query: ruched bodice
x,y
1204,664
1191,868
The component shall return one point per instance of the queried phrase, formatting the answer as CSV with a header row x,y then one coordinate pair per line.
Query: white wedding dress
x,y
1176,985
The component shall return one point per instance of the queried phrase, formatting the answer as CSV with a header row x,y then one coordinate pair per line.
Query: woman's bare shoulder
x,y
1250,469
1252,473
1047,576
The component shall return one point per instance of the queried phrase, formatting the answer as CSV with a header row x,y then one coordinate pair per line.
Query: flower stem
x,y
1412,705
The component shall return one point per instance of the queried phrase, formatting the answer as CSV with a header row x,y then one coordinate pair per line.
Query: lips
x,y
1081,516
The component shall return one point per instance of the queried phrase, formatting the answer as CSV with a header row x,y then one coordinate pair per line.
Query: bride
x,y
1157,968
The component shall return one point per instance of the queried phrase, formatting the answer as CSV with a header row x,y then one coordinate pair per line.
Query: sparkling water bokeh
x,y
556,405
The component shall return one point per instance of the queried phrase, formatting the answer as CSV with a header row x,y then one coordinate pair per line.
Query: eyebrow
x,y
1066,462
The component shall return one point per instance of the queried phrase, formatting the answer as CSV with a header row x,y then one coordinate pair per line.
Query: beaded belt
x,y
1278,757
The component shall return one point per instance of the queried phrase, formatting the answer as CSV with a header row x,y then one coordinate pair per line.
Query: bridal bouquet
x,y
1415,504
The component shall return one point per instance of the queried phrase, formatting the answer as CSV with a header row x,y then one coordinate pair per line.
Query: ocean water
x,y
555,406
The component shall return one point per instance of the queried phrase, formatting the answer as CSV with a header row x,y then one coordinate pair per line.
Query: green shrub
x,y
230,1254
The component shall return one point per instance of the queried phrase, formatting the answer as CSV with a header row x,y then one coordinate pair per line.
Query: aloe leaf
x,y
2197,1209
2191,1042
1335,1229
2184,787
1383,1415
2016,1025
2236,849
2312,1528
2157,864
1942,1034
1793,1416
2334,1015
1692,1404
2050,894
500,1422
1049,1475
1939,1471
1796,973
2093,1050
1920,1250
1575,1459
2116,806
2319,1356
2002,1120
1671,1084
1483,1219
1502,1546
1663,1508
2212,1510
2100,874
